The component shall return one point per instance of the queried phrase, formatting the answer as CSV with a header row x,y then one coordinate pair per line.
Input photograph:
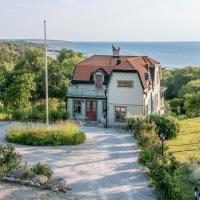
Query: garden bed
x,y
13,170
56,135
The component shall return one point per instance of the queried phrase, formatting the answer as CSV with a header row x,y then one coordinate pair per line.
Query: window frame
x,y
102,79
125,112
125,83
74,104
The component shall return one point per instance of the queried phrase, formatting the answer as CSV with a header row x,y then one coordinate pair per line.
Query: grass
x,y
59,134
187,145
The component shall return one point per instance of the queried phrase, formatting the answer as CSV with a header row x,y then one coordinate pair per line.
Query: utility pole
x,y
46,76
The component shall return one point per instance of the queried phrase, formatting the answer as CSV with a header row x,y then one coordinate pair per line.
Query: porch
x,y
89,91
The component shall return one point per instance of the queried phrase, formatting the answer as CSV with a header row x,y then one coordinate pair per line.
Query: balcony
x,y
87,92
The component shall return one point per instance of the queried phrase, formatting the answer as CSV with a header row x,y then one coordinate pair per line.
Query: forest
x,y
22,76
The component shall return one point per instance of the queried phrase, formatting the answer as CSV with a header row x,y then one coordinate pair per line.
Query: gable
x,y
85,69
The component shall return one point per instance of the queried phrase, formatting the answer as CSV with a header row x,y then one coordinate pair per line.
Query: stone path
x,y
104,168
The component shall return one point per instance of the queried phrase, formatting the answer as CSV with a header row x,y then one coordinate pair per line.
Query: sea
x,y
169,54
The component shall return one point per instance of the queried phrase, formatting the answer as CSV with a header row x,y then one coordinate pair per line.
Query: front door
x,y
91,110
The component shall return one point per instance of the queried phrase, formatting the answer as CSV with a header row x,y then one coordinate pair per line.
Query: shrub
x,y
176,105
149,155
57,115
164,172
62,134
36,113
41,169
166,125
139,125
9,158
36,116
167,180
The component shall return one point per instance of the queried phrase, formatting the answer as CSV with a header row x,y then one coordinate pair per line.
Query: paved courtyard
x,y
104,168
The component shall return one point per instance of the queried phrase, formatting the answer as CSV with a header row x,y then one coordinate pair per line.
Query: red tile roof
x,y
88,66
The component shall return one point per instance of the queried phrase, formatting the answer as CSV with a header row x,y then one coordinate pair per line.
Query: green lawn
x,y
187,144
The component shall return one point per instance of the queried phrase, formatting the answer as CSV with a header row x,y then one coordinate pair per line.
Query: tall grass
x,y
38,135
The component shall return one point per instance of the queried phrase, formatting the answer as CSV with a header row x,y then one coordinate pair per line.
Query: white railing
x,y
85,92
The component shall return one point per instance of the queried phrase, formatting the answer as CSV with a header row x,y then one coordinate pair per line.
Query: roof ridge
x,y
85,59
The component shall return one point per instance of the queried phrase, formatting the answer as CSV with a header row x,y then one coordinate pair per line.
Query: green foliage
x,y
9,158
164,172
192,104
166,125
190,88
67,54
31,61
176,105
150,154
63,134
19,93
179,78
8,53
165,175
138,124
41,169
20,59
36,113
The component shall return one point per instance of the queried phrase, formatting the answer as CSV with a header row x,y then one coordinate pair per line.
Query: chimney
x,y
116,51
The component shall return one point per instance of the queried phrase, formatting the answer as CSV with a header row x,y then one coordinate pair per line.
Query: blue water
x,y
169,54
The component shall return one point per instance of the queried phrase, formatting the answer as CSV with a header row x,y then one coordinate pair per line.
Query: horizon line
x,y
104,41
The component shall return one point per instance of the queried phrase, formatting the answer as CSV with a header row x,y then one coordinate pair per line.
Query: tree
x,y
69,64
192,103
58,82
189,88
31,61
8,54
176,105
179,78
66,54
19,92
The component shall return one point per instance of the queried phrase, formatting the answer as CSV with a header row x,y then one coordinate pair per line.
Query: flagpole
x,y
46,76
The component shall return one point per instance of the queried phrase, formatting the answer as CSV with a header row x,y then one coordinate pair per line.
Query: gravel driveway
x,y
104,168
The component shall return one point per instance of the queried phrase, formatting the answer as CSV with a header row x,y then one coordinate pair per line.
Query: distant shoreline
x,y
176,54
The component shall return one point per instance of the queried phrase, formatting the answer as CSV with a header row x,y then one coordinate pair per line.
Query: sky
x,y
101,20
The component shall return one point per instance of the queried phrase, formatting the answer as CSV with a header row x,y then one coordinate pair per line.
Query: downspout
x,y
106,90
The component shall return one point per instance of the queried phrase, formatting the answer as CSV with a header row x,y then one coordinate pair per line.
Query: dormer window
x,y
99,81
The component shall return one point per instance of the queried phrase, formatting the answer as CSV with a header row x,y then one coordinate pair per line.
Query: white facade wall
x,y
70,107
134,99
131,98
156,90
99,110
148,102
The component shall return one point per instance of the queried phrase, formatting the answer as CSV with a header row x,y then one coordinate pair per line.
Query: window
x,y
120,113
94,107
125,84
77,106
99,81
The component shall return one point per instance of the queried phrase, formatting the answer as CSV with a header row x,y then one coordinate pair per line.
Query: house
x,y
106,88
